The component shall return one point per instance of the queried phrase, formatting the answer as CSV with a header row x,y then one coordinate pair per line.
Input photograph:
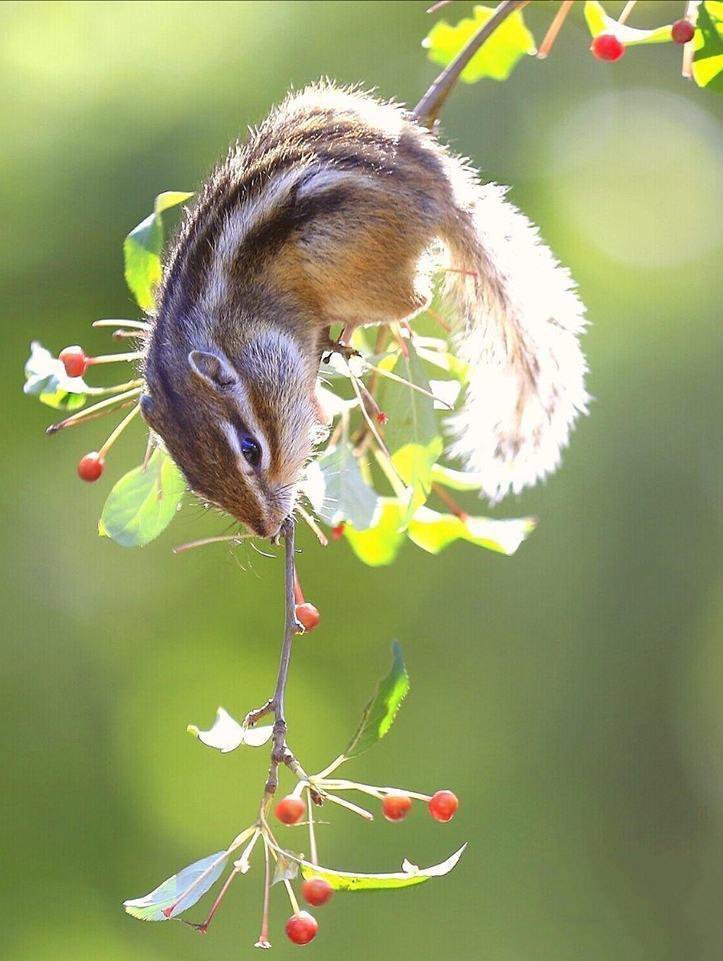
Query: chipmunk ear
x,y
212,369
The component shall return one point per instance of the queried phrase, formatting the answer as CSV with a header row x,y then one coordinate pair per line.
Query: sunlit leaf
x,y
407,877
346,496
379,545
708,56
433,531
457,480
496,58
46,379
411,413
143,502
180,891
226,734
414,463
380,712
599,22
142,250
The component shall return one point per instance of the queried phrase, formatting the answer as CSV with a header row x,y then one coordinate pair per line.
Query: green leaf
x,y
379,545
142,250
407,877
433,531
411,413
380,712
708,56
599,22
346,497
143,502
180,891
496,58
46,379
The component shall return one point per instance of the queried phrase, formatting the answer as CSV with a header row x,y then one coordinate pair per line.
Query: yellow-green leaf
x,y
496,58
380,543
433,531
708,56
408,876
599,22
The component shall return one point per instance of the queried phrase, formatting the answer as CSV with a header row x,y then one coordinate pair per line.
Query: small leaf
x,y
708,56
45,378
180,891
143,502
496,58
433,531
599,22
414,463
456,480
287,866
226,734
142,250
379,545
380,712
346,496
408,876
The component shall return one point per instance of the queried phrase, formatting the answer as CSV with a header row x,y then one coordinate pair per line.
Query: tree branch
x,y
429,107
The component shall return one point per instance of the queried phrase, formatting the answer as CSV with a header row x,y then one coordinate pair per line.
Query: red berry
x,y
683,31
337,531
91,466
308,616
607,47
301,927
74,361
443,805
396,806
381,418
290,809
316,891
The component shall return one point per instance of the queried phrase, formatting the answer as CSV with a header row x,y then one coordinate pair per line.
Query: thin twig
x,y
554,29
429,107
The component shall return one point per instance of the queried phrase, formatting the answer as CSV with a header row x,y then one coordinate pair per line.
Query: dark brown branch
x,y
429,107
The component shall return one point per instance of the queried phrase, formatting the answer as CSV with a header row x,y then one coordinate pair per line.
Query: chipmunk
x,y
326,215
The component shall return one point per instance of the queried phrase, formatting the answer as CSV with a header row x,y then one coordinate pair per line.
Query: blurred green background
x,y
572,695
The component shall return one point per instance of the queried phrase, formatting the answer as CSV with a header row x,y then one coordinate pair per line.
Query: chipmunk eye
x,y
251,449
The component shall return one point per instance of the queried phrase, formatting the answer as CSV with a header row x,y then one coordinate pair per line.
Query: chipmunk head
x,y
241,427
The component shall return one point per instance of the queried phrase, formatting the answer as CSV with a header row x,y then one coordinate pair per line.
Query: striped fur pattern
x,y
325,215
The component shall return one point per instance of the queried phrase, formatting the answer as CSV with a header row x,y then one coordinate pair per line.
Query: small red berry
x,y
381,418
683,31
290,809
607,47
316,891
74,360
396,806
337,531
308,616
301,927
443,805
91,466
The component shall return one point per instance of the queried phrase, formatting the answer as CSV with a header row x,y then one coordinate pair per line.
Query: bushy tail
x,y
522,319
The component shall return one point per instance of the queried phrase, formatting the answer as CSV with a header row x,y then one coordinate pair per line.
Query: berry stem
x,y
313,850
554,29
263,940
203,927
95,410
115,389
309,520
292,896
110,322
112,358
450,502
354,808
115,434
627,10
235,538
